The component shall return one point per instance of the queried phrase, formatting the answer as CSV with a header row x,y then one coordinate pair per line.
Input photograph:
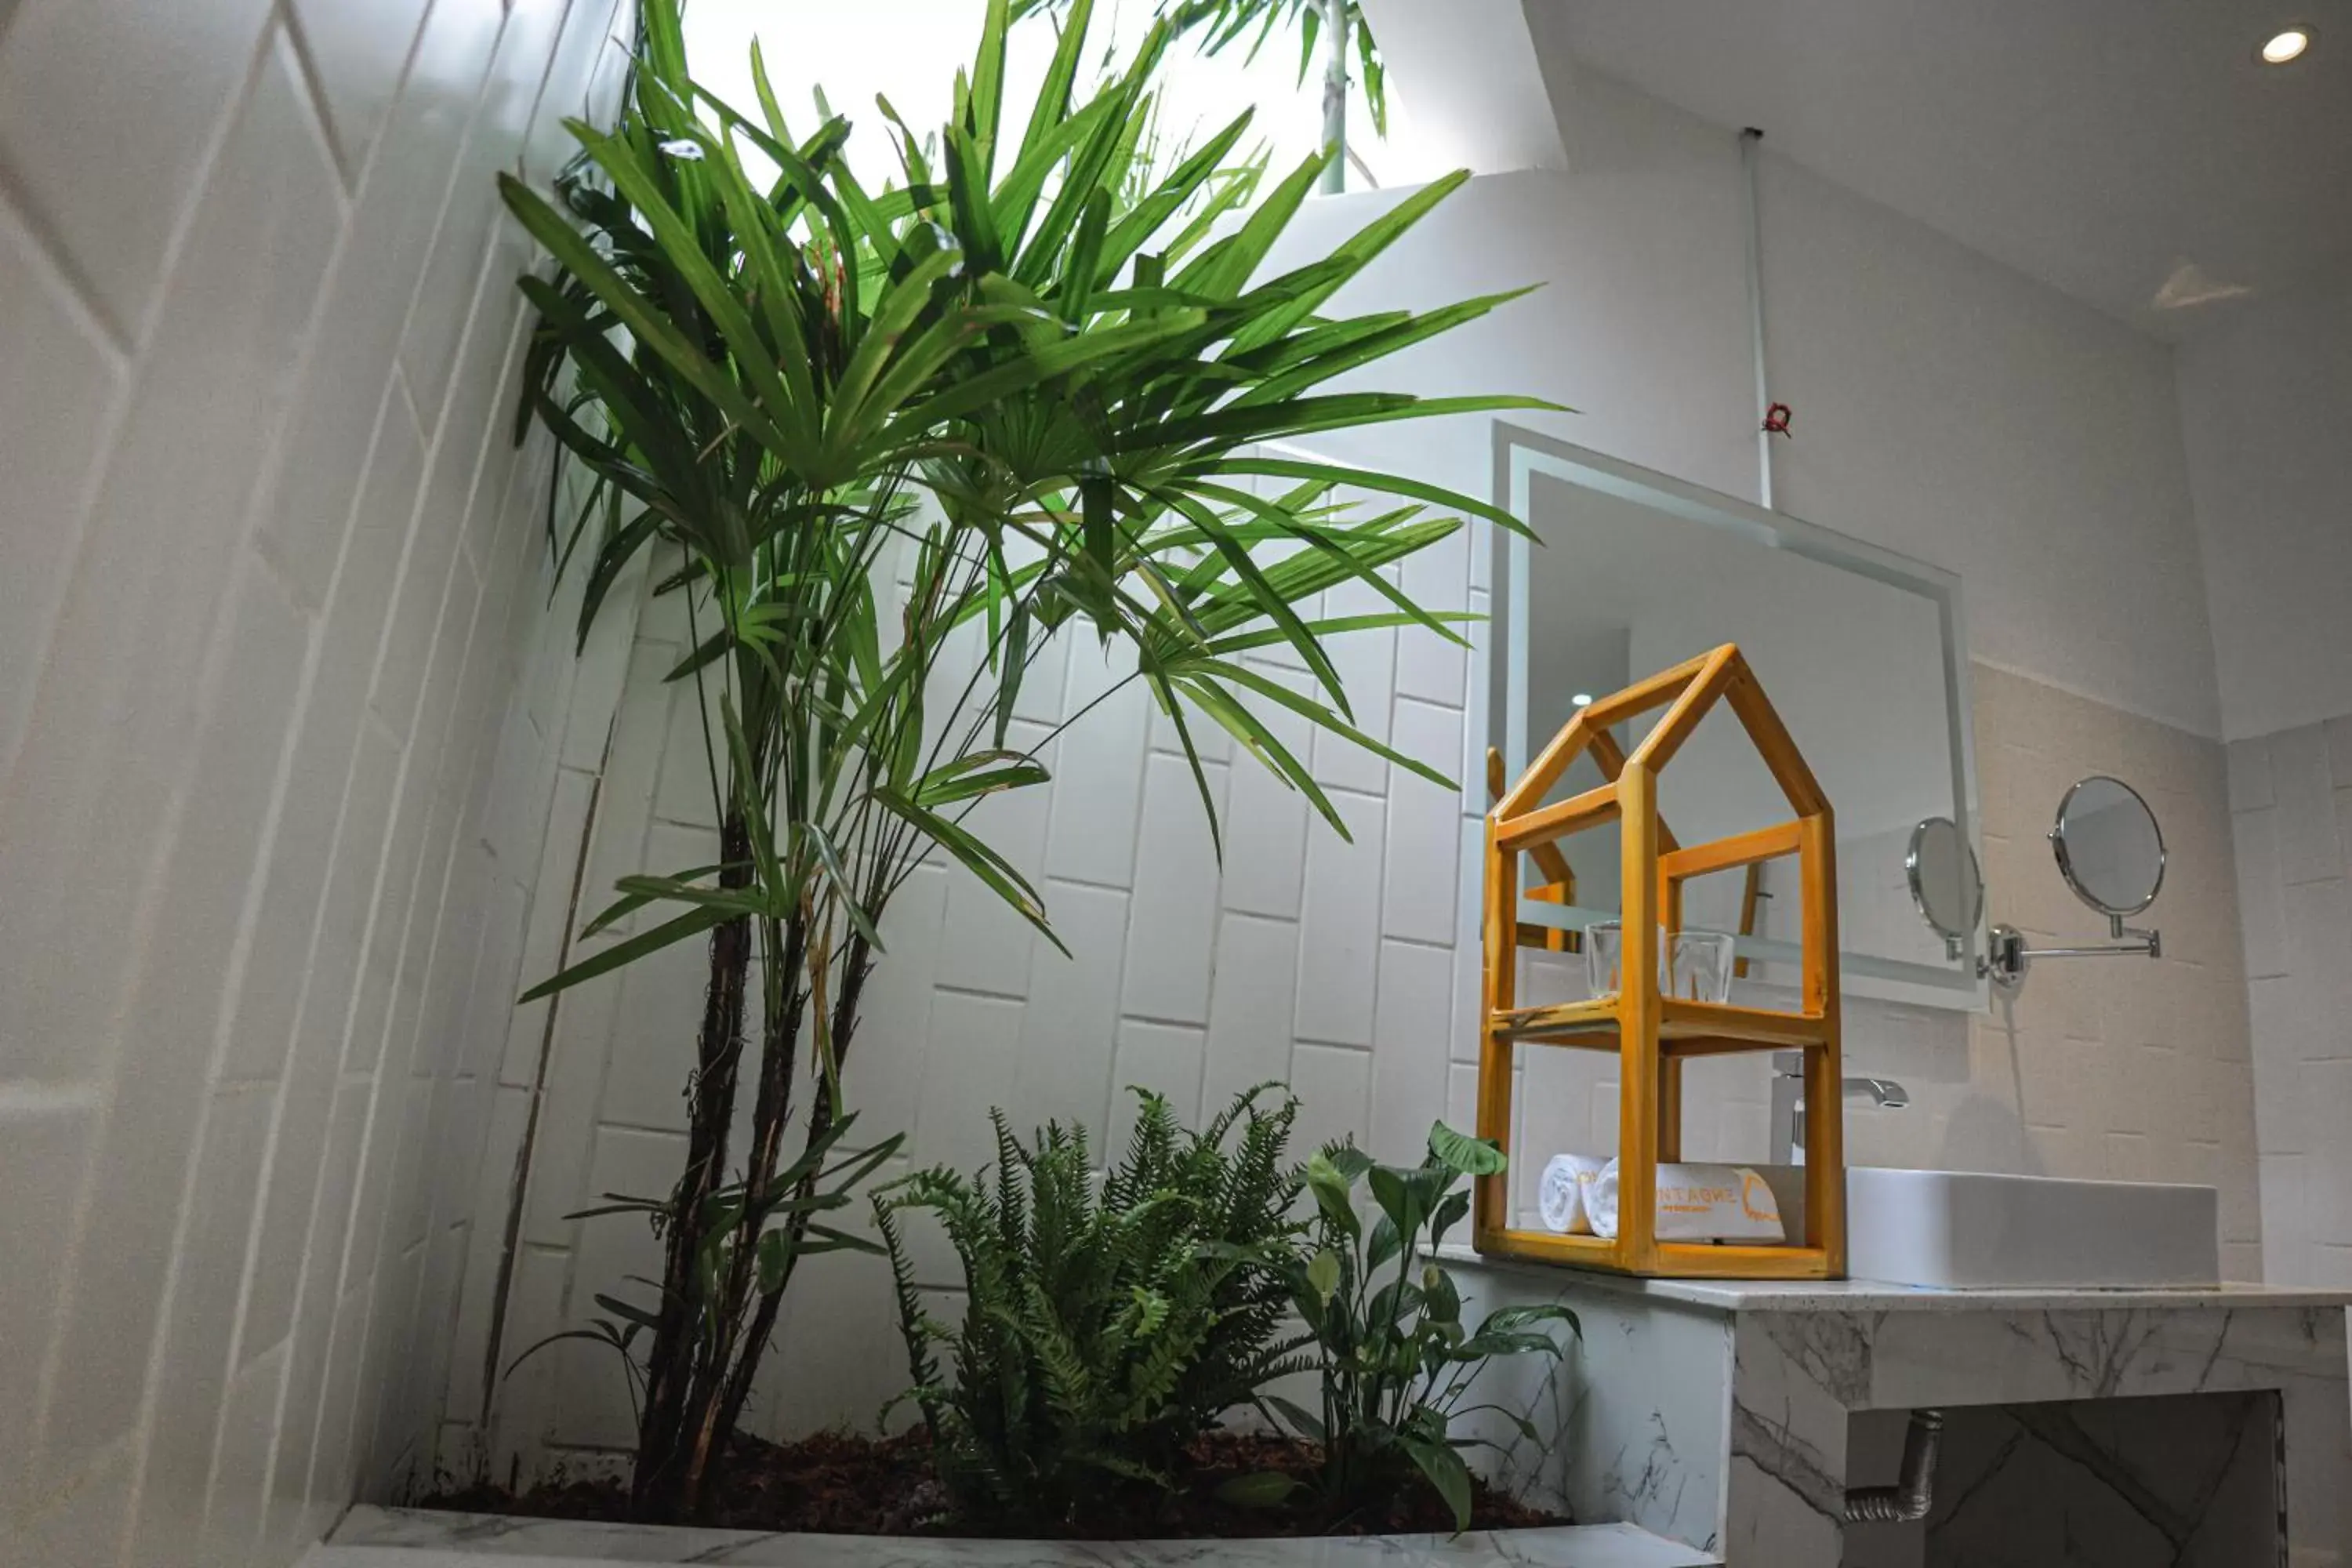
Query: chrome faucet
x,y
1788,1101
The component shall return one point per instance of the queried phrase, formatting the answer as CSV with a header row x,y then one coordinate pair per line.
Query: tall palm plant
x,y
1215,25
900,439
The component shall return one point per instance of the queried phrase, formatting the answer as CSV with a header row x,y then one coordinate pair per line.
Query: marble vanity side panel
x,y
1986,1358
1797,1376
1634,1428
2187,1479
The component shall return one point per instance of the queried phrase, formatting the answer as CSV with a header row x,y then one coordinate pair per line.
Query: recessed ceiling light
x,y
2287,46
1582,699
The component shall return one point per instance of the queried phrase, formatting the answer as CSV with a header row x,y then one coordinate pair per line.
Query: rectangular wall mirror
x,y
1862,651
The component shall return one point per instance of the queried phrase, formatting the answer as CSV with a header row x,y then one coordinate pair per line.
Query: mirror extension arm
x,y
2005,965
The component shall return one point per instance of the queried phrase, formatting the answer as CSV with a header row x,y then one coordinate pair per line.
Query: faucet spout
x,y
1883,1092
1789,1100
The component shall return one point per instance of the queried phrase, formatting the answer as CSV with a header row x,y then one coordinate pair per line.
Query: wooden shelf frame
x,y
1653,1034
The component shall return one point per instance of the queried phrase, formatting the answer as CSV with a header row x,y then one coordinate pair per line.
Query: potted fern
x,y
1019,390
1109,1330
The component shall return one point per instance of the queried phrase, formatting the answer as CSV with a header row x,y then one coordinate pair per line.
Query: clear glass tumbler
x,y
1698,965
1604,958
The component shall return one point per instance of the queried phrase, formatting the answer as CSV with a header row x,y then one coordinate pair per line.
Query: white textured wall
x,y
2291,796
1946,408
269,814
2264,407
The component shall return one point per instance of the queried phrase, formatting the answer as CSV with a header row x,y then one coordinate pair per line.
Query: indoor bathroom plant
x,y
1033,378
1109,1329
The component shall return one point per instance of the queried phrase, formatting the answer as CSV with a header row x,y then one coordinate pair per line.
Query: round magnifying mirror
x,y
2109,848
1945,882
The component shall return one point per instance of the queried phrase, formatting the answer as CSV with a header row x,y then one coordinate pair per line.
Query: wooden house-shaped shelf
x,y
1651,1035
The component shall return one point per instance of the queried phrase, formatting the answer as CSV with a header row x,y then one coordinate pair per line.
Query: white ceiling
x,y
2130,152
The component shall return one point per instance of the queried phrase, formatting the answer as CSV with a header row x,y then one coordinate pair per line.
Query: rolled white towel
x,y
1697,1203
1561,1195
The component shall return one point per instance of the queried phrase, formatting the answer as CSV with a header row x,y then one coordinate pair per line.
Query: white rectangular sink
x,y
1963,1229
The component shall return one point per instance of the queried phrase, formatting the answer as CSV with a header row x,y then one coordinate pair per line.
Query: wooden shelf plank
x,y
1686,1020
1720,1027
1676,1259
1686,1260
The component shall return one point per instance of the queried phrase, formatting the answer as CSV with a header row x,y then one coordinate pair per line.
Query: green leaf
x,y
1310,1424
1441,1302
1384,1244
1505,1319
960,780
1330,1189
993,870
1470,1156
1395,1198
1261,1488
1323,1274
629,1310
1446,1472
692,923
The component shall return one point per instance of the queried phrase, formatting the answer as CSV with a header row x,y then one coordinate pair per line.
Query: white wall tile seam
x,y
314,91
50,258
103,468
224,1017
101,335
133,336
210,677
349,1027
449,199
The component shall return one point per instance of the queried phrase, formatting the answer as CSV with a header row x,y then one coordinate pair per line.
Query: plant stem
x,y
1335,95
657,1487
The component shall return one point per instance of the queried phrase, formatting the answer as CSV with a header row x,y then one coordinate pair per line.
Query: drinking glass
x,y
1604,958
1699,965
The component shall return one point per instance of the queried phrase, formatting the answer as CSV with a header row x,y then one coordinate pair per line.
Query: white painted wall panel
x,y
263,641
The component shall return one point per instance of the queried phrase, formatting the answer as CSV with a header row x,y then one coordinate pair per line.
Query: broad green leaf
x,y
1444,1466
1460,1152
1323,1274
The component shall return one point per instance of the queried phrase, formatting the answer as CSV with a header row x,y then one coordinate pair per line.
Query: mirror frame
x,y
1520,454
2066,861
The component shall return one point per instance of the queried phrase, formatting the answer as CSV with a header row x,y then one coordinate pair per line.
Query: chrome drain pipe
x,y
1909,1498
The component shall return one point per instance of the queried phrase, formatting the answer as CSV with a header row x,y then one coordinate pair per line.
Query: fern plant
x,y
1105,1327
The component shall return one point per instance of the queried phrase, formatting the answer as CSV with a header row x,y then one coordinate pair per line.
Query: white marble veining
x,y
416,1538
2190,1482
1719,1413
1632,1427
1800,1376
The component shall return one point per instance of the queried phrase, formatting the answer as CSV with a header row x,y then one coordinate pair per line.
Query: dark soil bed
x,y
844,1485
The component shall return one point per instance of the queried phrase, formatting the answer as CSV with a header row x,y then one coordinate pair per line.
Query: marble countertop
x,y
1881,1296
416,1538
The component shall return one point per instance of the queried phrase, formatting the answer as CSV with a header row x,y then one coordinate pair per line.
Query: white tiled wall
x,y
1327,963
1349,970
2291,803
270,801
